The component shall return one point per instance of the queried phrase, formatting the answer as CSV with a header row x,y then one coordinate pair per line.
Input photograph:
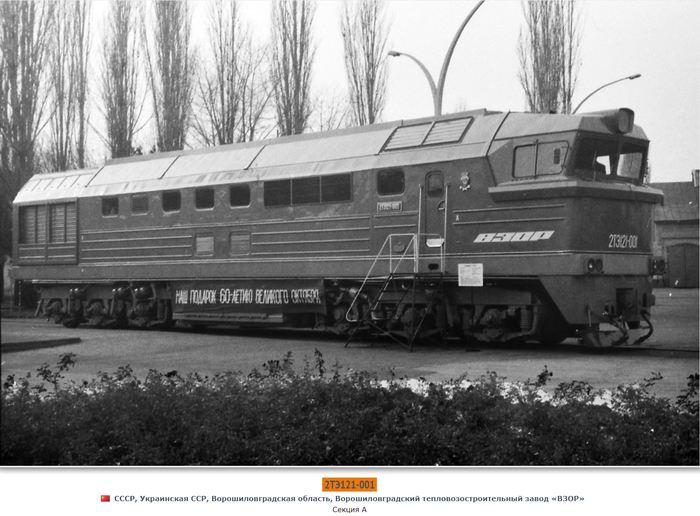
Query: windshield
x,y
600,159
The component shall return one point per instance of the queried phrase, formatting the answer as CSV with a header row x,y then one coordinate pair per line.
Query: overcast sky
x,y
658,38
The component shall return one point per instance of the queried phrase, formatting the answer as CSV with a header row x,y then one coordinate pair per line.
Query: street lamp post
x,y
628,78
431,82
438,90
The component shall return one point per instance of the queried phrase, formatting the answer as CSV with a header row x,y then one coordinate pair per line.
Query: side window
x,y
239,195
277,193
110,206
139,204
306,190
390,182
171,200
434,184
204,198
336,188
551,157
524,161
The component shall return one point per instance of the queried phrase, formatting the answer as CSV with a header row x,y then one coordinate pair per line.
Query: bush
x,y
316,417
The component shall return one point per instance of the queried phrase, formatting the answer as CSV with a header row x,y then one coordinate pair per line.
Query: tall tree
x,y
364,33
219,89
231,89
25,27
255,91
548,51
120,78
170,67
81,38
69,53
292,56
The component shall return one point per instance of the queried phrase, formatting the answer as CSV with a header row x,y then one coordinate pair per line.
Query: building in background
x,y
676,232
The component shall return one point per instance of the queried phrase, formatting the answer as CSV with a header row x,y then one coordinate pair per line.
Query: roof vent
x,y
429,133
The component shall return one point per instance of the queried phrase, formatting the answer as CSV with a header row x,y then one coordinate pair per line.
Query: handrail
x,y
392,270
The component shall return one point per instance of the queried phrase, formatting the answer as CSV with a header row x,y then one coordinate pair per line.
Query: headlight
x,y
594,266
590,265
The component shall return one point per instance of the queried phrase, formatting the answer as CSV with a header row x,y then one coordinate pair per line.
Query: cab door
x,y
432,238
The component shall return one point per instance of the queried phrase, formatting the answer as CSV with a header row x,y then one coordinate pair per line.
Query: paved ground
x,y
672,351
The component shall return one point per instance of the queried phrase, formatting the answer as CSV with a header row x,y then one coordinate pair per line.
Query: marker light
x,y
599,265
590,265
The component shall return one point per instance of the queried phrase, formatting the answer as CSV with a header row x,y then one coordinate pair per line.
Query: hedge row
x,y
279,417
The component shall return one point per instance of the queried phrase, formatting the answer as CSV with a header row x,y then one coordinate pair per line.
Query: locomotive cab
x,y
617,156
589,171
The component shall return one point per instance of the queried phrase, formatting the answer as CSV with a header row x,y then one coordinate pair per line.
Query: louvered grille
x,y
442,132
71,223
27,225
409,136
41,224
448,131
58,223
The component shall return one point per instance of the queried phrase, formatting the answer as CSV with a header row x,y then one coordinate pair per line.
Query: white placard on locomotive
x,y
471,274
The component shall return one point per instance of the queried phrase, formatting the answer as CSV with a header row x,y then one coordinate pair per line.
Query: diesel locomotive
x,y
482,226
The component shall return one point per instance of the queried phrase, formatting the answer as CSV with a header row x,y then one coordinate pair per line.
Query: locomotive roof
x,y
391,144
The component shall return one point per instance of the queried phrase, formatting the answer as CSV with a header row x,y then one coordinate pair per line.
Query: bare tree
x,y
233,92
69,53
120,78
292,56
62,88
219,91
548,54
81,51
255,91
25,27
364,39
170,67
331,112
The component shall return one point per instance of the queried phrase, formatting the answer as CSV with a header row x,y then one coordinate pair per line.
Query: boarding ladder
x,y
403,260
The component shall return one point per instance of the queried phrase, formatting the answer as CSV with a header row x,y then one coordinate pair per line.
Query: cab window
x,y
599,159
539,159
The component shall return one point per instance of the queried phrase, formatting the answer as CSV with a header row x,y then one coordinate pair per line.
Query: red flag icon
x,y
104,498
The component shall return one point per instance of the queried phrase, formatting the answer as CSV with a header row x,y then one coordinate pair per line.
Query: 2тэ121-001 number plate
x,y
616,241
338,484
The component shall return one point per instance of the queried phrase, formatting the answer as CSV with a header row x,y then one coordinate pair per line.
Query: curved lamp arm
x,y
431,82
448,57
628,78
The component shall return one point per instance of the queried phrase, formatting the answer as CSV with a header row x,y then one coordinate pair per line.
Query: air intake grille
x,y
407,136
442,132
